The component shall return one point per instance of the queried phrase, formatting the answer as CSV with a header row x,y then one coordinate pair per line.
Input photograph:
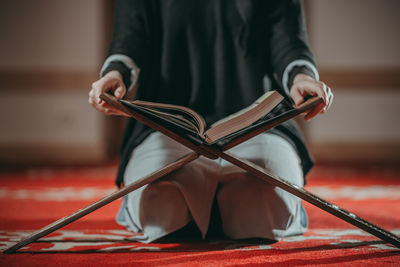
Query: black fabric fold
x,y
209,55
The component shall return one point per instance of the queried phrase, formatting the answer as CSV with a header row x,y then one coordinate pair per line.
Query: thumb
x,y
120,91
296,95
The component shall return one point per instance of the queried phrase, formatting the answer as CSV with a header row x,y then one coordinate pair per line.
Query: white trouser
x,y
249,207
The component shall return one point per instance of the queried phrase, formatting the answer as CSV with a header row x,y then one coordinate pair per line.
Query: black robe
x,y
214,56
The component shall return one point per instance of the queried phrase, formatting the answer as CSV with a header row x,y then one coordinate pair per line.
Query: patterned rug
x,y
33,198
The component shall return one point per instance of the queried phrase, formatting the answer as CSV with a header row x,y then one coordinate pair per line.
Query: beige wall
x,y
50,52
359,36
355,33
48,34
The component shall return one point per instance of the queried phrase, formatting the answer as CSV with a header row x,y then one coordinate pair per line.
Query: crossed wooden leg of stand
x,y
102,202
255,170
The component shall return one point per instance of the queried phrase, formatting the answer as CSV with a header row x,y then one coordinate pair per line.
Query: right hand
x,y
303,86
113,82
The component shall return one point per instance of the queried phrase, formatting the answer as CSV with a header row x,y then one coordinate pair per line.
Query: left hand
x,y
303,86
113,82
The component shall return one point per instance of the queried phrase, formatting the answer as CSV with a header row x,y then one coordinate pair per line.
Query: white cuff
x,y
128,62
297,63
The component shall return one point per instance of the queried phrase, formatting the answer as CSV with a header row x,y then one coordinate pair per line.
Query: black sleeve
x,y
130,34
121,68
288,41
297,70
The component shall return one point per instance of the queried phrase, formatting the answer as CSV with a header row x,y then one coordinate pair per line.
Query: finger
x,y
108,110
104,105
296,96
306,88
97,88
103,85
93,101
120,91
98,84
101,88
329,99
324,89
114,85
113,111
321,90
100,106
95,104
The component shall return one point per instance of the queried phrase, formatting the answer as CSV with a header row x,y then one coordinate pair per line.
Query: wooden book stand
x,y
214,152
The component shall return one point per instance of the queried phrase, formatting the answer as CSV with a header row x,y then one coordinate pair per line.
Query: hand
x,y
112,81
303,86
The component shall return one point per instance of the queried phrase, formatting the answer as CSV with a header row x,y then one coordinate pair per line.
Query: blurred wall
x,y
356,44
50,53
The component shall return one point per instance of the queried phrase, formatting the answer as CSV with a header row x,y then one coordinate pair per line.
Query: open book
x,y
192,122
186,124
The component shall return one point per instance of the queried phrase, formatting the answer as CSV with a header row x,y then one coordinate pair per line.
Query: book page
x,y
186,115
177,118
244,117
240,112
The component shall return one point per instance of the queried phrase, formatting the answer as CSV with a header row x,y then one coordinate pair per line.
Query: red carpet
x,y
34,198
